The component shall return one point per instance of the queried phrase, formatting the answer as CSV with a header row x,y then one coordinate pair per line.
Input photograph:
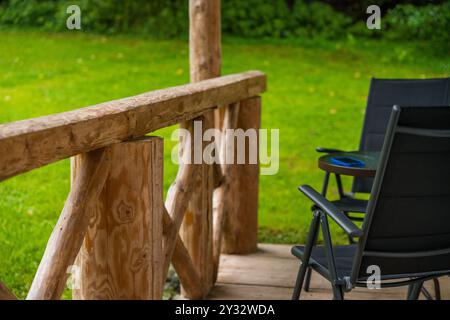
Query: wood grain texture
x,y
182,263
5,293
36,142
67,236
121,256
240,230
225,197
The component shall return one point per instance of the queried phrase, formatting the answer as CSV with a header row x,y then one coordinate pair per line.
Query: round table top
x,y
370,159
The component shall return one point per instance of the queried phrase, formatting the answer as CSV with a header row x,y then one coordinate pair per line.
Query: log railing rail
x,y
103,137
33,143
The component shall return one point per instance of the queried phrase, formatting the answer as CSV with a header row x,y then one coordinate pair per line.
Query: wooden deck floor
x,y
270,274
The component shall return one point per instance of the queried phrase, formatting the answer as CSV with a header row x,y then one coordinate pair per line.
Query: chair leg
x,y
307,280
414,290
313,230
426,293
408,293
309,271
326,179
339,186
437,289
338,292
299,281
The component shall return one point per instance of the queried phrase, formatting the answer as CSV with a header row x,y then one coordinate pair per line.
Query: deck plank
x,y
269,274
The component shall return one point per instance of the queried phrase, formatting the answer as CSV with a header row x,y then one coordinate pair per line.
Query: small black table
x,y
370,159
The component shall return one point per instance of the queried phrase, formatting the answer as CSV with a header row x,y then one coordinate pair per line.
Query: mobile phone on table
x,y
347,162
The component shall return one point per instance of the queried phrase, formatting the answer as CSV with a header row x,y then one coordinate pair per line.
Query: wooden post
x,y
240,229
205,63
121,256
204,39
226,193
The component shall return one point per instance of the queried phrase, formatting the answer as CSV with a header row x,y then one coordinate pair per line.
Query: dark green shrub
x,y
27,13
167,18
318,19
255,18
243,18
430,22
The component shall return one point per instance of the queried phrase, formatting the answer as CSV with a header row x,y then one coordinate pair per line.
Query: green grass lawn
x,y
316,96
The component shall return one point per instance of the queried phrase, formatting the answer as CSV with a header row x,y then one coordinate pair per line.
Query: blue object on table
x,y
348,162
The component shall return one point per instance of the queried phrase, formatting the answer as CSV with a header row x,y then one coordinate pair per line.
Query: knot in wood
x,y
125,213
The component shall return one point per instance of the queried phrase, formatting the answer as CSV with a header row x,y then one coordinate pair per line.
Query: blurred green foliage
x,y
168,18
430,22
247,19
273,19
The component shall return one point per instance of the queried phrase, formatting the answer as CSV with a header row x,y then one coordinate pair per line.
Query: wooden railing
x,y
115,226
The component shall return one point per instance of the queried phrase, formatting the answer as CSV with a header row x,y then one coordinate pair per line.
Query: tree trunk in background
x,y
205,63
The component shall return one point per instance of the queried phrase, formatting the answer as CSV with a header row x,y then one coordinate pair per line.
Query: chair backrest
x,y
383,95
407,225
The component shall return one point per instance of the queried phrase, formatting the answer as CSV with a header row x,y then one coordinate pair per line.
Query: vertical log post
x,y
121,256
240,229
226,195
205,63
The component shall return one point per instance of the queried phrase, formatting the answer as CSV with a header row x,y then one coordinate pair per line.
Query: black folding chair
x,y
406,231
383,94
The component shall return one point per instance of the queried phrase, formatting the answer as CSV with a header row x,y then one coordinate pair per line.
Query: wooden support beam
x,y
36,142
67,236
121,256
205,63
177,201
5,293
182,263
240,230
225,195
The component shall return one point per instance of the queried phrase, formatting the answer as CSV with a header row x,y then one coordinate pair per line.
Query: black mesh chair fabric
x,y
344,256
385,93
412,211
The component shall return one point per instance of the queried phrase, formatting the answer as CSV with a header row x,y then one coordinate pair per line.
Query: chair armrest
x,y
328,150
331,210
